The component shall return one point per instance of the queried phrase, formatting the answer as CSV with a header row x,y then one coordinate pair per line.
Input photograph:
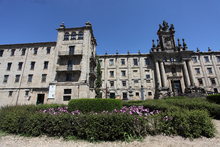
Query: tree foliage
x,y
98,83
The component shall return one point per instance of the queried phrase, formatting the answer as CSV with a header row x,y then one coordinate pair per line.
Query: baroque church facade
x,y
170,69
55,72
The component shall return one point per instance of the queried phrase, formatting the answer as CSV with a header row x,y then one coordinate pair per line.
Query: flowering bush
x,y
137,110
59,110
132,110
133,121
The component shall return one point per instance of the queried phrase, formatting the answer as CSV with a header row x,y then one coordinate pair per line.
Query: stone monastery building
x,y
55,72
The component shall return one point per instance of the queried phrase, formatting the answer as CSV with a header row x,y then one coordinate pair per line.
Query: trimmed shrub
x,y
153,105
92,126
94,105
214,98
176,97
197,104
192,124
105,126
175,104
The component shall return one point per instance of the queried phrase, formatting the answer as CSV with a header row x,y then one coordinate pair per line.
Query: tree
x,y
98,83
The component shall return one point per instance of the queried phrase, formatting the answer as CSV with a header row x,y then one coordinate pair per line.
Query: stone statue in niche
x,y
167,41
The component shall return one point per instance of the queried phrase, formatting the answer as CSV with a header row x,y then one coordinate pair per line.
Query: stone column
x,y
163,74
186,74
158,74
190,73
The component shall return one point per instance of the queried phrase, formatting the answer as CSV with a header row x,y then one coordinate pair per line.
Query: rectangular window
x,y
1,53
5,80
26,93
66,98
9,66
23,51
124,83
111,73
218,58
71,50
147,76
206,58
46,64
30,77
10,93
32,65
112,83
200,81
48,50
209,70
80,35
194,59
44,78
67,91
20,65
17,78
135,71
111,62
123,73
35,51
147,61
135,81
213,81
135,62
122,61
197,70
12,52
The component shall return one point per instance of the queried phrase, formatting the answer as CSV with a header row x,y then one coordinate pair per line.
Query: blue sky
x,y
118,24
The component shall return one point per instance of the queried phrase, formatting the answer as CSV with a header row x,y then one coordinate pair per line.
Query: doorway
x,y
176,87
125,96
40,99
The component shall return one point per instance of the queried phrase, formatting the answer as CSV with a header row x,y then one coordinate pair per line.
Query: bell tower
x,y
166,37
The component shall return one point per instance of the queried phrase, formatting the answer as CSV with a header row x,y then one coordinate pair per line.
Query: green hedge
x,y
214,98
172,104
192,124
153,105
84,126
105,126
197,104
94,105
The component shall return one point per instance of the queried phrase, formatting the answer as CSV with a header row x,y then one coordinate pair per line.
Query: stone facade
x,y
55,72
49,72
169,69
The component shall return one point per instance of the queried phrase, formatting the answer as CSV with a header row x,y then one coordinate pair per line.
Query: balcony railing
x,y
67,53
69,68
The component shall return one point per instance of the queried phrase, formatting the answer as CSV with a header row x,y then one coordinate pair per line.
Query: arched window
x,y
73,36
80,35
66,36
